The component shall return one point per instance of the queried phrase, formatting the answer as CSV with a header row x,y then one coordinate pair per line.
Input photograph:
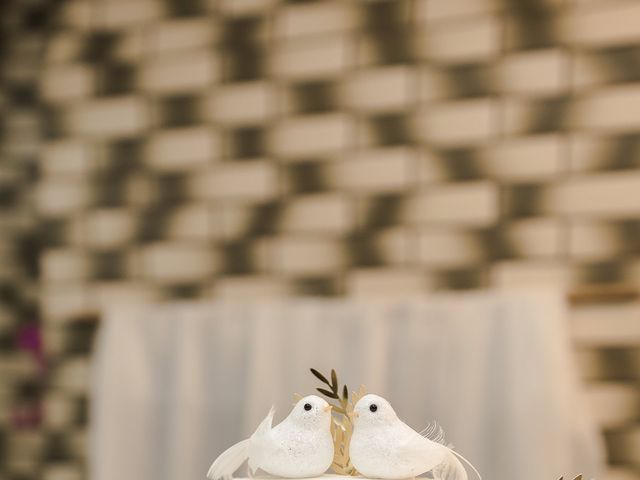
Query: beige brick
x,y
302,256
66,157
77,14
195,221
475,39
110,228
612,23
469,203
63,47
182,35
256,180
177,262
459,123
541,72
254,286
315,58
61,301
243,7
530,274
315,19
398,246
113,117
588,152
537,237
378,170
182,149
116,14
612,195
64,265
525,158
613,109
61,197
381,89
592,241
243,103
125,292
606,325
311,135
436,10
615,404
324,213
388,281
448,248
180,72
66,83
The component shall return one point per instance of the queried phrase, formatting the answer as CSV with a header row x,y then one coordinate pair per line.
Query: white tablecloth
x,y
175,384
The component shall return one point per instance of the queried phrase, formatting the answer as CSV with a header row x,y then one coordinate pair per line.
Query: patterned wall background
x,y
244,148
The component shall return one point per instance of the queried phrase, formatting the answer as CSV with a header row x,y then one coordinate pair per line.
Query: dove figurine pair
x,y
301,446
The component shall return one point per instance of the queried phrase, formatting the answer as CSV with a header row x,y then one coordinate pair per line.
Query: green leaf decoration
x,y
319,376
327,393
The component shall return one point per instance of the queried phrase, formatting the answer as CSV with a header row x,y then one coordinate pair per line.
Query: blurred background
x,y
154,151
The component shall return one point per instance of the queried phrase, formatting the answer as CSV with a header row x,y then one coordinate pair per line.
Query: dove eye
x,y
307,406
373,407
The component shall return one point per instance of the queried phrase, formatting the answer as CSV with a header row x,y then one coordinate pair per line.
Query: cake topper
x,y
383,446
298,447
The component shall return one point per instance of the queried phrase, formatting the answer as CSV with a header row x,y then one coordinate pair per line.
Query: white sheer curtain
x,y
176,384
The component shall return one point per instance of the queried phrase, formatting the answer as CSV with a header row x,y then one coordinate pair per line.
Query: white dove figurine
x,y
300,446
383,446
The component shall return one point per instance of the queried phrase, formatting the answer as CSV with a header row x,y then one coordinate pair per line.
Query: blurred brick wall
x,y
245,148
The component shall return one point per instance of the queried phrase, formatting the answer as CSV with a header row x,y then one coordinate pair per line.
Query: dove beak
x,y
328,408
352,415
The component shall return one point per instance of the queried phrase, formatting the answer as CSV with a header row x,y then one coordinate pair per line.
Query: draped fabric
x,y
176,384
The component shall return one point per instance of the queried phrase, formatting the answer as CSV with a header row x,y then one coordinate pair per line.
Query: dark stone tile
x,y
244,63
622,64
549,115
523,200
108,265
79,335
265,219
179,110
392,46
461,163
186,8
471,80
99,47
306,177
184,291
237,258
316,96
153,224
240,33
247,142
116,78
385,14
495,243
316,287
603,272
390,129
461,279
384,211
363,251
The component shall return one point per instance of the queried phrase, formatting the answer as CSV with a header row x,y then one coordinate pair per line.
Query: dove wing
x,y
261,442
419,451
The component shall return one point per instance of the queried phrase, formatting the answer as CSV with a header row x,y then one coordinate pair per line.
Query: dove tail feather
x,y
229,461
467,462
452,469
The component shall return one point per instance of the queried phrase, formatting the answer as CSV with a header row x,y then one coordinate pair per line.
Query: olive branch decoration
x,y
341,423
